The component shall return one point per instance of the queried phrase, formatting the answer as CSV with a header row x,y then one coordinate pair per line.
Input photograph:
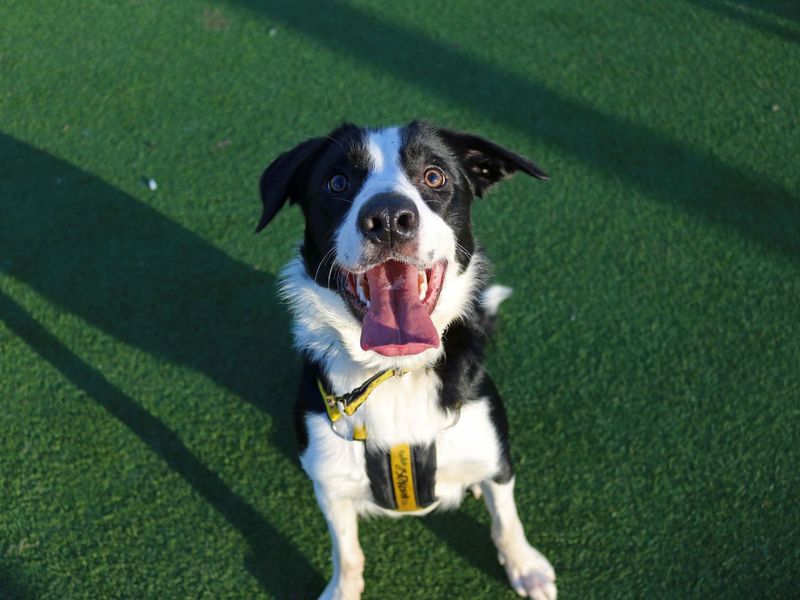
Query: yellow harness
x,y
350,402
401,479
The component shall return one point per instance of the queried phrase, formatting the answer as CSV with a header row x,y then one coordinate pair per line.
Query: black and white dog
x,y
392,310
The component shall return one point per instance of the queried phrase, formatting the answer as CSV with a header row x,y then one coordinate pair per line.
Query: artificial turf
x,y
650,357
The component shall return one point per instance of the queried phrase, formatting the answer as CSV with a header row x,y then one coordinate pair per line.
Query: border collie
x,y
392,310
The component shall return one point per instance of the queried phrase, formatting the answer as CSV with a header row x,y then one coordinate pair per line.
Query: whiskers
x,y
339,274
326,257
335,271
467,254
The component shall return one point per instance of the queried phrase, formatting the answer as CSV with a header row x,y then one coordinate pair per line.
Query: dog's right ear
x,y
279,180
487,163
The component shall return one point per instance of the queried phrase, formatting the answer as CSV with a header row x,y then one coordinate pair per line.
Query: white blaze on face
x,y
435,238
435,243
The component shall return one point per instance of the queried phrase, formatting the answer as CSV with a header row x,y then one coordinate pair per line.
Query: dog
x,y
392,310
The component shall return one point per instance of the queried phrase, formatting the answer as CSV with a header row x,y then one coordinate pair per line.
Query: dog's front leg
x,y
347,581
529,572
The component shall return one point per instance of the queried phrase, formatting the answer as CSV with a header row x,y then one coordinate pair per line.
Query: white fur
x,y
435,239
325,327
403,409
348,558
467,453
493,296
467,449
528,571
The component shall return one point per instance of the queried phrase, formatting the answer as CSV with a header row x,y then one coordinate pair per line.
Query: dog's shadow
x,y
468,537
130,272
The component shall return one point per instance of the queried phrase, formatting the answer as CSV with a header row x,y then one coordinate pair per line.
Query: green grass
x,y
650,357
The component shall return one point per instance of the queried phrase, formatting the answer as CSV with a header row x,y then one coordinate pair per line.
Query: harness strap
x,y
402,478
350,402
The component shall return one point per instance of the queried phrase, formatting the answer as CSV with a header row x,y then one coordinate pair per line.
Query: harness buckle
x,y
342,408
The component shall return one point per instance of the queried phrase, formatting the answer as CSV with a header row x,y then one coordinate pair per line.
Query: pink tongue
x,y
396,323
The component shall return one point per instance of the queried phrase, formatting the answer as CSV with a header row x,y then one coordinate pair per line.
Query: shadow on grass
x,y
785,9
134,274
131,272
692,180
468,538
275,563
751,14
12,586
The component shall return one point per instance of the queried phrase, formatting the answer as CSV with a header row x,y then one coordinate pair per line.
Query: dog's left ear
x,y
485,162
279,181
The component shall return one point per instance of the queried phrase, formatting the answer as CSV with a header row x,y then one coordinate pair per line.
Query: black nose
x,y
389,219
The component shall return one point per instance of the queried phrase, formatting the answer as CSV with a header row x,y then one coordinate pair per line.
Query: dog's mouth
x,y
394,301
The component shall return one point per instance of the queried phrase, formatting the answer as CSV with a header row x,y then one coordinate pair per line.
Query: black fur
x,y
424,146
308,400
500,422
464,378
472,165
487,163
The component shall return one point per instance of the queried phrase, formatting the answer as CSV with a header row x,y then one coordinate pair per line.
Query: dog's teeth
x,y
422,280
363,289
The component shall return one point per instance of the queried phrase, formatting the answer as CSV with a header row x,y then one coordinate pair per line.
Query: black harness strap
x,y
402,478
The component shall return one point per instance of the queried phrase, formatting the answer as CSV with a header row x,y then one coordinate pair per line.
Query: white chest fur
x,y
405,410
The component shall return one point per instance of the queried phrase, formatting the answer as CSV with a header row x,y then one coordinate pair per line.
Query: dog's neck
x,y
325,331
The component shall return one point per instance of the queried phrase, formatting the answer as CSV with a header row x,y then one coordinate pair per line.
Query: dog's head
x,y
388,237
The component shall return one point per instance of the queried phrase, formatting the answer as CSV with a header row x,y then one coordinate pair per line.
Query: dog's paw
x,y
530,573
342,588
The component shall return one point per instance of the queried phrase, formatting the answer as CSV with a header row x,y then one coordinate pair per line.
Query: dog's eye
x,y
337,184
434,177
